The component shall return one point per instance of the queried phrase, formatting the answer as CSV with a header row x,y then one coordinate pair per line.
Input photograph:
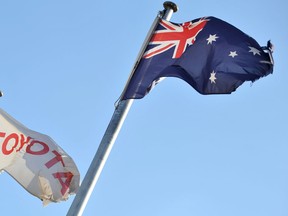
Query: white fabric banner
x,y
36,161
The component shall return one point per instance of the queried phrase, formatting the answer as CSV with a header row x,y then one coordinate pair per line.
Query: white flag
x,y
36,161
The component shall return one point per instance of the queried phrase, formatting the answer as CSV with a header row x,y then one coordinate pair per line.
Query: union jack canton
x,y
211,55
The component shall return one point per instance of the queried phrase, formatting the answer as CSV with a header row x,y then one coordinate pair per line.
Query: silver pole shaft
x,y
98,162
111,133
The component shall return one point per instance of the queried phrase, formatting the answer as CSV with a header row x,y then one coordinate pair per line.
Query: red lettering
x,y
56,159
12,136
65,185
2,134
34,147
23,141
44,149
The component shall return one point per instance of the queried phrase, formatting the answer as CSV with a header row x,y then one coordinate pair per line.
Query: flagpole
x,y
113,129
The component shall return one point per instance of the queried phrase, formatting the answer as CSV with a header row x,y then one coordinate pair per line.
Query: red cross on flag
x,y
178,36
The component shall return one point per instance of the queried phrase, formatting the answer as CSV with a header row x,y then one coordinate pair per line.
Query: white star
x,y
211,38
213,77
254,51
233,54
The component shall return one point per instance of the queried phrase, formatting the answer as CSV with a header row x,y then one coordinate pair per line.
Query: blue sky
x,y
63,64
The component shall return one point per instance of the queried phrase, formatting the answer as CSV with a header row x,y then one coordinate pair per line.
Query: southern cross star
x,y
213,77
211,38
233,54
254,51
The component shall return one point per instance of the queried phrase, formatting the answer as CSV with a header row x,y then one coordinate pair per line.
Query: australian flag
x,y
211,55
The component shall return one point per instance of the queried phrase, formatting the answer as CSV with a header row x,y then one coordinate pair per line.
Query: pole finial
x,y
170,5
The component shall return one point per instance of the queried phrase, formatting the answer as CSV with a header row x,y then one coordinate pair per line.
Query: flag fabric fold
x,y
36,162
211,55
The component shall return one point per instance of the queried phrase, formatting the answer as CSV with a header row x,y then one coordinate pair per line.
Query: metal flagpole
x,y
112,131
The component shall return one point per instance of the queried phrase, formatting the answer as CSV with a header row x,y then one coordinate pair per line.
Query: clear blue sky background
x,y
63,64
